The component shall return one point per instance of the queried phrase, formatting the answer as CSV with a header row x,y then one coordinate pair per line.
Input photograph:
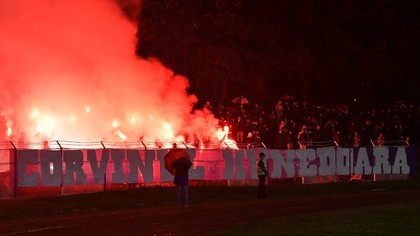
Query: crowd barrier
x,y
59,171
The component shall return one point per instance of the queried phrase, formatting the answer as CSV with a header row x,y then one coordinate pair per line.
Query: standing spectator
x,y
239,128
256,112
250,140
356,139
272,128
281,136
248,128
291,138
279,111
367,132
262,174
45,145
380,140
337,138
181,166
317,135
302,137
263,129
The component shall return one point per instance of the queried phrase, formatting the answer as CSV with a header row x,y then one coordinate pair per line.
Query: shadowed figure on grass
x,y
181,166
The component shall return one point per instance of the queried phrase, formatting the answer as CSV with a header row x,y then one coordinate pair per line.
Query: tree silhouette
x,y
326,51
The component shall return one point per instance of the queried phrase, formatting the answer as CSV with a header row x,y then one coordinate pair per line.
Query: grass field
x,y
396,218
392,219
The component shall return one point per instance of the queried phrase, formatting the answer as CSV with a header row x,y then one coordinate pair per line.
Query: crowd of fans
x,y
290,124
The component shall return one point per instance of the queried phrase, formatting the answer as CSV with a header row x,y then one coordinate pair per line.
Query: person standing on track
x,y
262,173
181,166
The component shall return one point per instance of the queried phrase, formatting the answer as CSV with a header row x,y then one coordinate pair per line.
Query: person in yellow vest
x,y
262,173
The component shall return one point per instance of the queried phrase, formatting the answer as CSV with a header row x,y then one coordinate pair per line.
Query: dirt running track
x,y
195,220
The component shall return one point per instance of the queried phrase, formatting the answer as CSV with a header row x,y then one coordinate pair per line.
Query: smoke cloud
x,y
68,71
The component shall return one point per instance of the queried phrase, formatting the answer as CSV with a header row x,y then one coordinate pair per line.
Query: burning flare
x,y
58,56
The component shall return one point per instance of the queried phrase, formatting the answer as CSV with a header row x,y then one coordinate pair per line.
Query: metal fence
x,y
214,156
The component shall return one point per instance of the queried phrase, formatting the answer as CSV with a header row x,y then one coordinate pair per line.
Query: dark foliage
x,y
327,51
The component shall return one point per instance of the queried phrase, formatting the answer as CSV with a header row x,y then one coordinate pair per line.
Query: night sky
x,y
326,52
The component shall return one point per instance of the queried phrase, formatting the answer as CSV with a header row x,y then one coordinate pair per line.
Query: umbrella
x,y
173,155
241,100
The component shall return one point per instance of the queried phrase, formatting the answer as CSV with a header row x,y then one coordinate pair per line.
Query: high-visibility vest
x,y
260,171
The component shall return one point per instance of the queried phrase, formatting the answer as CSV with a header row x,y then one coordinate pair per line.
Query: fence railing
x,y
390,143
154,145
373,142
142,145
65,171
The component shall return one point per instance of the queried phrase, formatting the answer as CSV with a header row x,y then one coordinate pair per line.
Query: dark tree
x,y
328,51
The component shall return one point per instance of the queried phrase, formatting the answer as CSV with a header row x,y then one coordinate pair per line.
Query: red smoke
x,y
68,71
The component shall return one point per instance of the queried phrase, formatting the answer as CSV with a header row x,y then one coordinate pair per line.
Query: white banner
x,y
85,167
